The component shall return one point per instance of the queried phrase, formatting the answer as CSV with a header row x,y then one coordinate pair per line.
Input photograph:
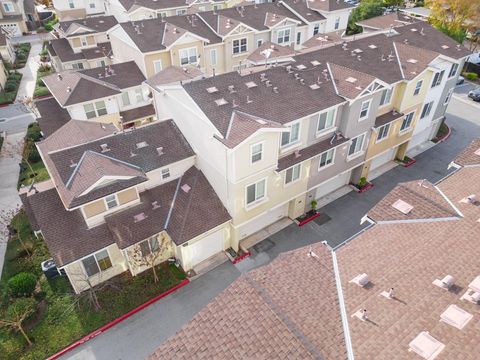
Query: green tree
x,y
366,10
17,313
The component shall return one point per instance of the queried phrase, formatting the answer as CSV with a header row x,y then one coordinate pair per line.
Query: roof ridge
x,y
97,81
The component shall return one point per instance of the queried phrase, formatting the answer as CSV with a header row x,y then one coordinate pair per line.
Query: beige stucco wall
x,y
75,42
233,60
71,13
174,52
164,56
404,99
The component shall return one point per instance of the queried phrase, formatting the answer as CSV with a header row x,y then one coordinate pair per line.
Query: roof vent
x,y
455,316
186,188
360,280
141,144
402,206
251,84
249,100
351,80
477,152
315,62
413,30
412,61
69,89
234,104
104,147
301,67
289,69
275,89
212,90
73,164
358,51
263,77
314,87
155,205
231,89
268,83
59,77
160,150
445,47
446,283
302,81
221,102
139,217
426,346
371,46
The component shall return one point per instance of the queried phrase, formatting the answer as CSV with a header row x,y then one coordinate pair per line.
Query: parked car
x,y
475,94
460,80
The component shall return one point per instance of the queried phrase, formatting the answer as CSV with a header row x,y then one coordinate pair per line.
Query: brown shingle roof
x,y
328,5
94,24
283,310
413,60
153,4
349,83
387,118
52,115
62,49
276,52
470,156
137,113
384,22
100,51
301,8
174,74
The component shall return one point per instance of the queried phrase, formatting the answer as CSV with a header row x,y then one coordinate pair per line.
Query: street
x,y
139,335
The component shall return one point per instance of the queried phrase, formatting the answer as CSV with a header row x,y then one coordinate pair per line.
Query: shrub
x,y
22,284
363,181
470,75
10,86
33,132
34,155
21,56
44,68
48,27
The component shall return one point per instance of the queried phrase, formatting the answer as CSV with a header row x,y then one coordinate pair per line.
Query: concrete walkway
x,y
27,86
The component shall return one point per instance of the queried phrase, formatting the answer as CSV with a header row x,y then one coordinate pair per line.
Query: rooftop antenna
x,y
312,254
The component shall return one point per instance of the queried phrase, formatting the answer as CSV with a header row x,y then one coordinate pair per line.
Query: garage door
x,y
12,28
264,220
207,247
383,159
332,185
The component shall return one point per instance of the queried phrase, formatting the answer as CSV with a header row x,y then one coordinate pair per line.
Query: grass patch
x,y
68,317
8,95
40,88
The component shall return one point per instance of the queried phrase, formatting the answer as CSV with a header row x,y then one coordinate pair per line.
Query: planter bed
x,y
236,257
306,218
406,162
361,189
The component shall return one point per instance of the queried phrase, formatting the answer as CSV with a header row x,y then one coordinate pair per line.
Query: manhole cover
x,y
322,219
264,245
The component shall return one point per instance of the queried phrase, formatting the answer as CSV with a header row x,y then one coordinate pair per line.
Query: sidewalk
x,y
9,198
27,86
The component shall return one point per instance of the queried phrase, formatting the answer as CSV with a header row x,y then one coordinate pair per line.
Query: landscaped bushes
x,y
22,284
40,88
21,52
49,25
11,87
470,76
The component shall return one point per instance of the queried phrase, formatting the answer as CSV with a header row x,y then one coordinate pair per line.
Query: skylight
x,y
141,144
315,62
358,51
413,30
251,84
426,346
351,80
314,87
139,217
221,102
412,61
445,47
301,67
456,317
402,206
372,46
212,90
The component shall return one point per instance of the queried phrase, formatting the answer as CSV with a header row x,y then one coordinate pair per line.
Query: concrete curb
x,y
116,321
445,138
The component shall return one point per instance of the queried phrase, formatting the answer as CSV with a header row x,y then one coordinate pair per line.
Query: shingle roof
x,y
99,51
153,4
73,87
137,113
349,83
388,21
328,5
52,115
285,310
470,156
387,118
174,74
301,8
194,25
94,24
274,51
62,49
413,60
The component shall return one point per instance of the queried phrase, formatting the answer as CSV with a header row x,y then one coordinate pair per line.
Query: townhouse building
x,y
272,142
13,20
82,44
67,10
7,51
112,94
218,41
115,194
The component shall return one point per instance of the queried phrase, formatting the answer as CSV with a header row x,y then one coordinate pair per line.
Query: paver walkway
x,y
27,86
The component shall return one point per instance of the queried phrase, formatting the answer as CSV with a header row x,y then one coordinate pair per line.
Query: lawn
x,y
68,317
40,88
30,153
8,95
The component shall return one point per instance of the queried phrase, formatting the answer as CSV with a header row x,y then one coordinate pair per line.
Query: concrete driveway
x,y
138,336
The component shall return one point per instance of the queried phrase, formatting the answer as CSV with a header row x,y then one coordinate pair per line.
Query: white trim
x,y
358,153
293,181
448,200
249,206
320,168
448,218
262,143
96,261
360,117
410,127
377,140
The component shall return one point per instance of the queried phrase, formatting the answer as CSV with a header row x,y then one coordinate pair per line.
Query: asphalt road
x,y
139,335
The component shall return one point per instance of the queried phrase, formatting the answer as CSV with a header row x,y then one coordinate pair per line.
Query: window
x,y
292,174
213,56
188,56
139,95
337,23
77,66
165,173
449,96
8,7
89,111
356,145
111,201
453,70
292,136
259,43
92,5
386,97
71,4
437,78
101,109
162,14
418,87
316,29
383,132
326,120
157,66
125,99
256,152
255,192
326,158
283,36
96,263
407,121
149,246
181,11
83,41
101,63
240,46
364,109
299,38
426,110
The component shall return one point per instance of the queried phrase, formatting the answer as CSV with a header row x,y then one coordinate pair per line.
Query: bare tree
x,y
6,217
18,149
16,314
148,252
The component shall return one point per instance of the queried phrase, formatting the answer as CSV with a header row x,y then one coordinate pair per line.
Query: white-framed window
x,y
95,109
259,43
8,7
165,173
356,145
283,36
418,87
92,5
316,29
337,23
71,4
326,158
188,56
157,66
293,173
77,66
326,120
101,63
96,263
83,41
448,97
111,201
149,246
299,38
292,136
453,70
437,78
239,46
426,110
364,109
386,96
213,56
256,152
256,192
125,99
139,96
383,132
407,121
181,11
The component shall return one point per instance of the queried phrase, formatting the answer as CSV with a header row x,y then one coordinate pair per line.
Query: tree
x,y
396,3
148,252
8,220
365,10
16,314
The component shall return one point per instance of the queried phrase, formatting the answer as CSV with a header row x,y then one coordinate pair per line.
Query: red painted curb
x,y
116,321
306,221
446,136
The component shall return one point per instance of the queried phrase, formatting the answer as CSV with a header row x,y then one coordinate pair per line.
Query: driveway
x,y
139,335
27,85
461,93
